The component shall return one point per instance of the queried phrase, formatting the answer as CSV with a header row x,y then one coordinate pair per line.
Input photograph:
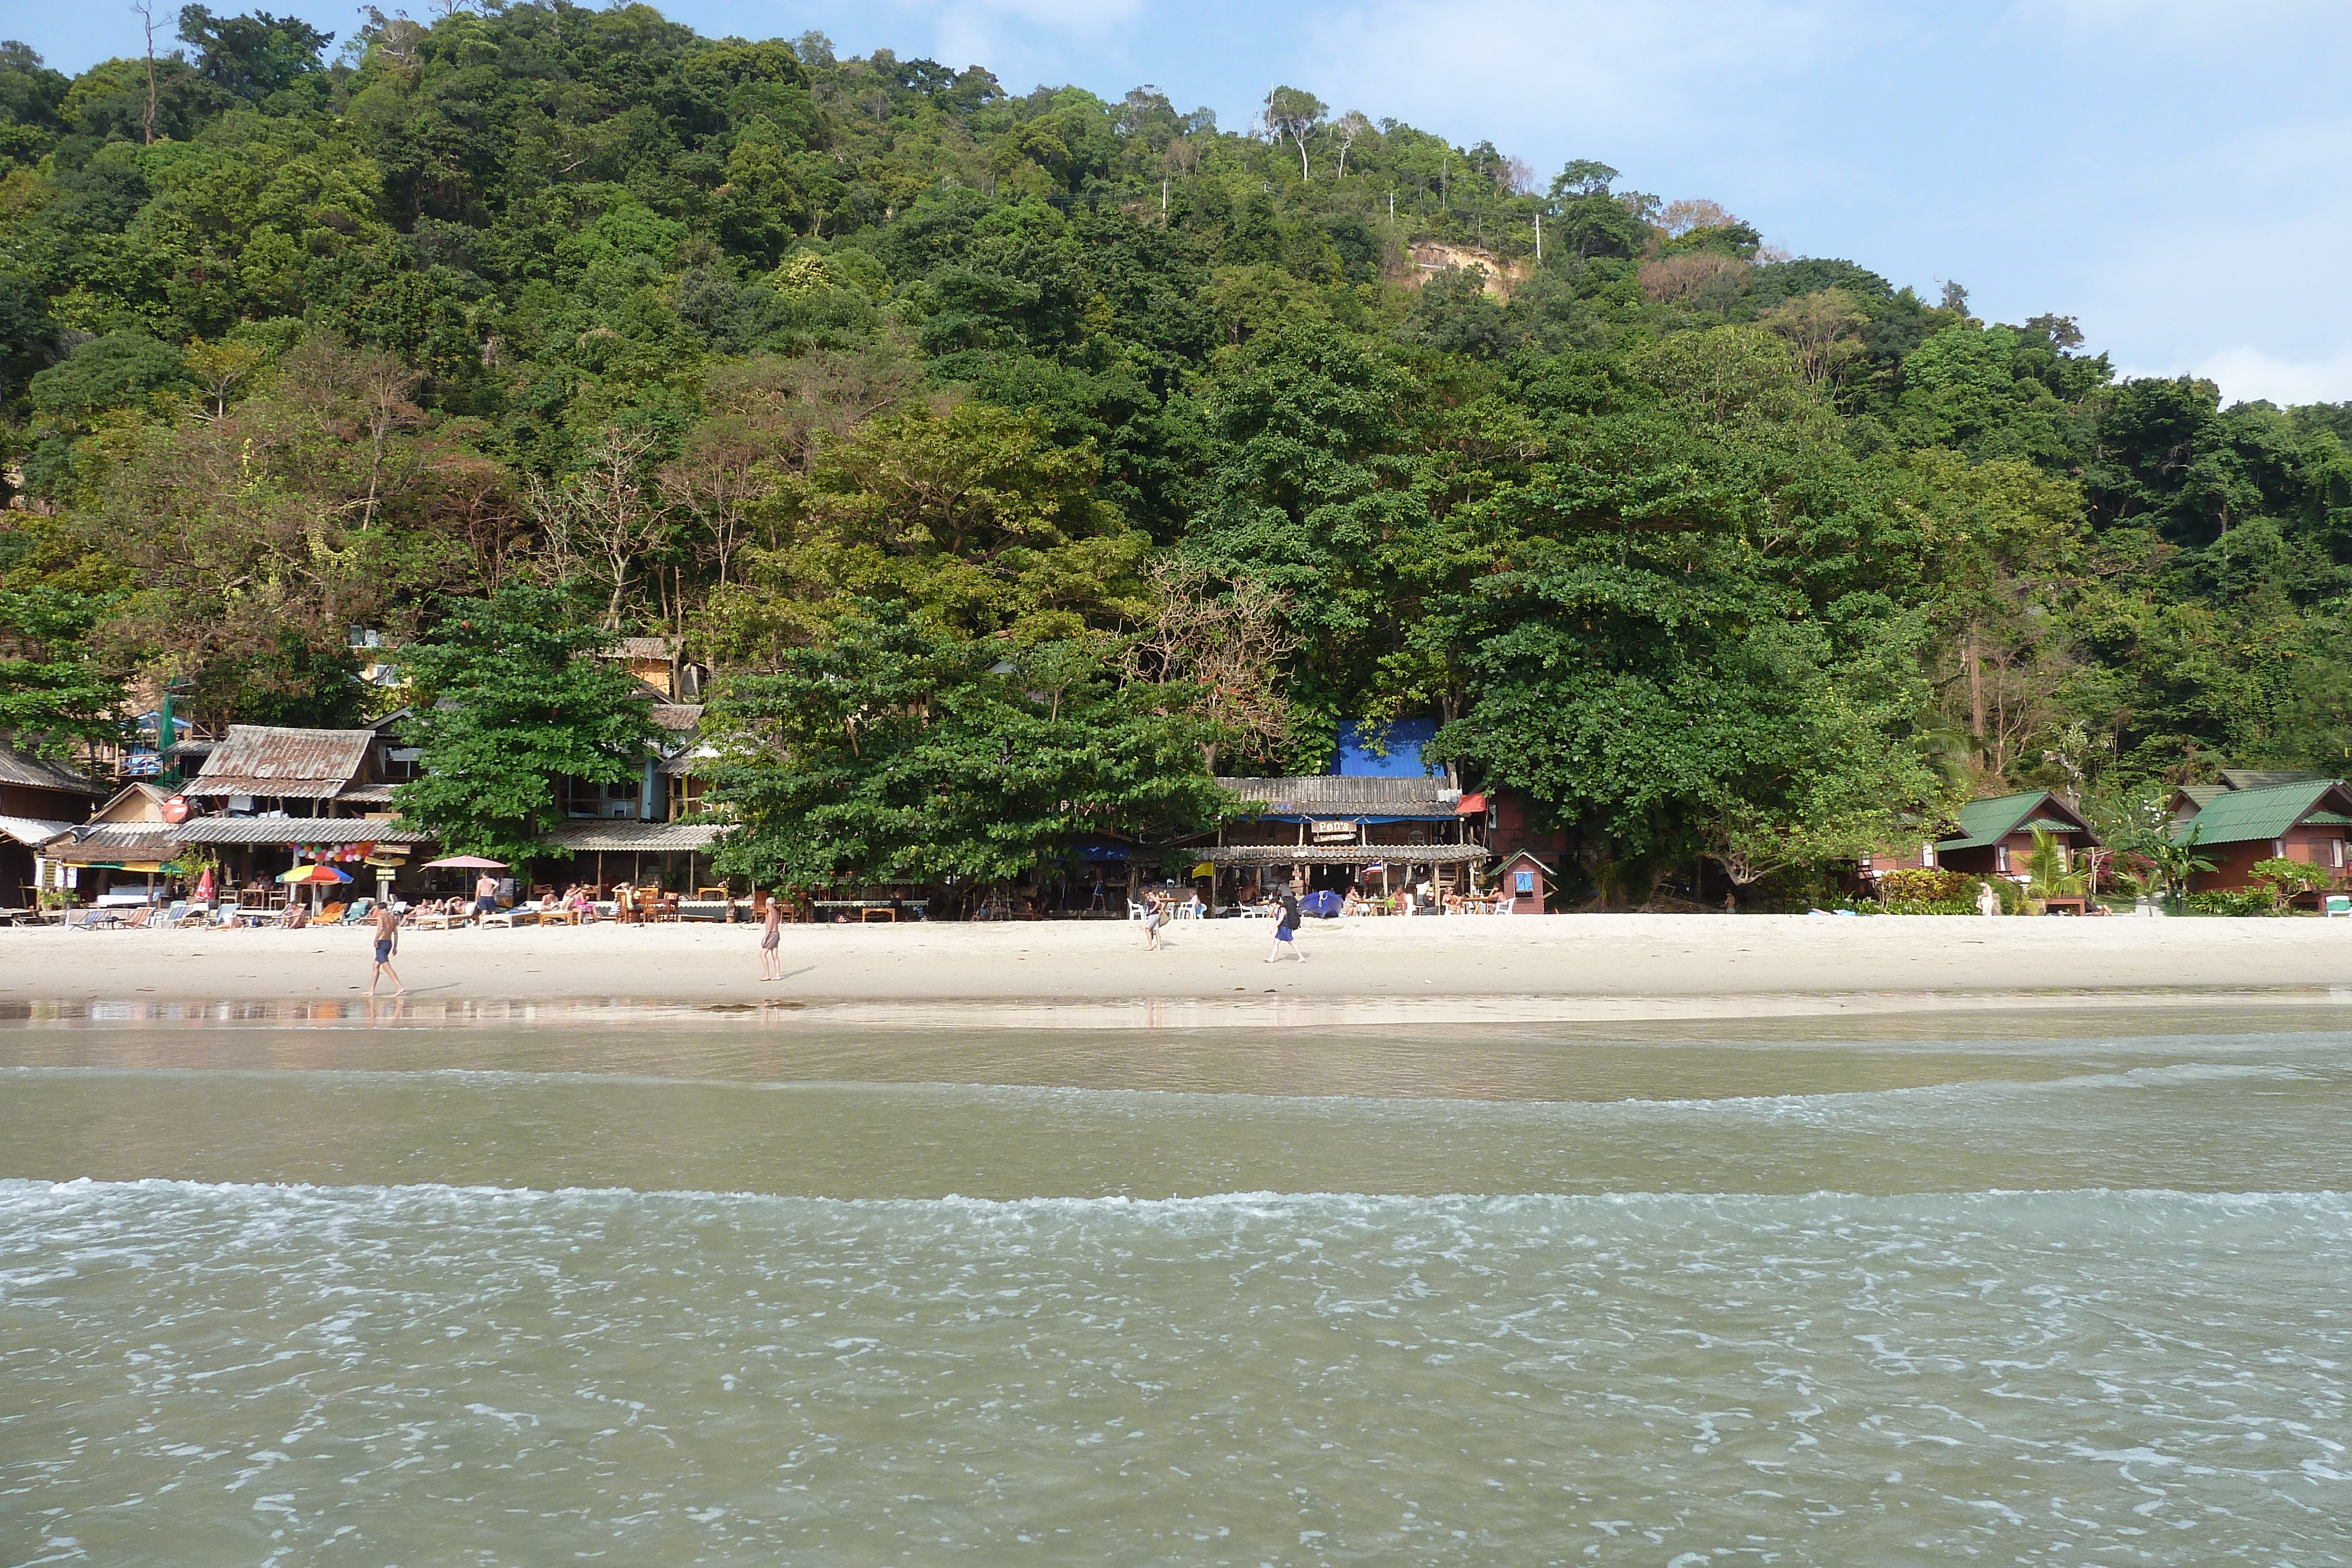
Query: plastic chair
x,y
2336,904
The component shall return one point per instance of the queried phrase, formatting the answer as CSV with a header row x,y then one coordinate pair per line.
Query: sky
x,y
2169,173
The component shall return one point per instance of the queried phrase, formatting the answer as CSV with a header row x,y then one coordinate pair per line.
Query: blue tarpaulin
x,y
1399,756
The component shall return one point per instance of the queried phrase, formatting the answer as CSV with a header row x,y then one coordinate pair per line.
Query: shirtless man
x,y
386,926
772,939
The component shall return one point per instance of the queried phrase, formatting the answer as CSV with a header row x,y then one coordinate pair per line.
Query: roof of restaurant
x,y
286,764
1330,795
298,830
2243,816
32,832
40,773
620,835
1988,821
1342,854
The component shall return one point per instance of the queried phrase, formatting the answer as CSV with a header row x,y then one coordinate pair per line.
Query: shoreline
x,y
1554,969
1154,1013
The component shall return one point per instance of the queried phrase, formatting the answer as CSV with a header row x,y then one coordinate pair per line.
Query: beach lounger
x,y
91,920
2336,904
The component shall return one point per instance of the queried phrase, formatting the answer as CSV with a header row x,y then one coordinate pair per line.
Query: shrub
x,y
2244,901
1922,886
2281,880
1929,907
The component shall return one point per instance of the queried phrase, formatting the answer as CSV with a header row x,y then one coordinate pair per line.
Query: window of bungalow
x,y
2001,857
2336,853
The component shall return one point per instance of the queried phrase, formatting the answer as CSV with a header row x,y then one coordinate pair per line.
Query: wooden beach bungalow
x,y
1996,836
2236,828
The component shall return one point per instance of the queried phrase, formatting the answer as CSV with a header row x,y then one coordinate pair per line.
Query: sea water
x,y
752,1294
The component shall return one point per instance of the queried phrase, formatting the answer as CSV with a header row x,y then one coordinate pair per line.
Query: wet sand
x,y
1097,974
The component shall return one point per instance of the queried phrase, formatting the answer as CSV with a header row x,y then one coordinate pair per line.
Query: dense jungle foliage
x,y
1093,442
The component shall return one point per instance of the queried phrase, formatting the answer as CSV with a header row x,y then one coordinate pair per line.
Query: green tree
x,y
892,751
56,686
509,695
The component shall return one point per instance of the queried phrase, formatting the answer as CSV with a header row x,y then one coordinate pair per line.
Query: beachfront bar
x,y
1332,830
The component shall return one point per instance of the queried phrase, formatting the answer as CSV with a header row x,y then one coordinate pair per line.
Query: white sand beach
x,y
1098,974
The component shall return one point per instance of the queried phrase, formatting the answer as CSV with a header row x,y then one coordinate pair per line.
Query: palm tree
x,y
2046,872
2177,862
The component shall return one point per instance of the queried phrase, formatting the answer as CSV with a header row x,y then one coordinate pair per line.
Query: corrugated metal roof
x,y
2245,816
677,716
2204,795
1330,795
298,830
623,836
2268,777
367,795
1342,854
298,764
1988,821
40,773
32,832
127,835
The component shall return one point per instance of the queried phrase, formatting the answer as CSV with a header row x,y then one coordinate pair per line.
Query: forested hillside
x,y
1073,447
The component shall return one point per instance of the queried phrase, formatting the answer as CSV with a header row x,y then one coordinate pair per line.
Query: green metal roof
x,y
1986,823
2243,816
2327,820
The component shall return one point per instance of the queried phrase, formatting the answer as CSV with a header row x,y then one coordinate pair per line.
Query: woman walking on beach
x,y
387,942
772,939
1155,916
1286,929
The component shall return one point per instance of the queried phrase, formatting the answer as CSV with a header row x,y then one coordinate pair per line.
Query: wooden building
x,y
38,800
1526,879
273,796
1996,836
2238,828
127,840
1327,830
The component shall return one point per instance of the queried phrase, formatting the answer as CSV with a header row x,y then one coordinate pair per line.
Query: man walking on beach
x,y
772,939
1285,929
387,942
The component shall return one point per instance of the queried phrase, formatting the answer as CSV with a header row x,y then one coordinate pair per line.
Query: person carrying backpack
x,y
1286,929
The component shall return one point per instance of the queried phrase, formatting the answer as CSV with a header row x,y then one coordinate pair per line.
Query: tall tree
x,y
508,696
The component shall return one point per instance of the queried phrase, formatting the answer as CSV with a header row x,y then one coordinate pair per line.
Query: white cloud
x,y
2246,373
